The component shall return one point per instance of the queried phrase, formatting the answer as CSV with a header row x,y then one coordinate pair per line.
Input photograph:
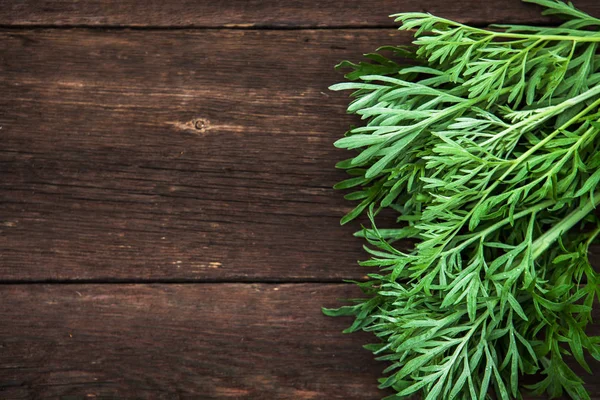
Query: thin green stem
x,y
543,242
481,235
593,37
549,112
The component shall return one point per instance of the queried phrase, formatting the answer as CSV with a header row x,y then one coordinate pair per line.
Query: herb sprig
x,y
487,148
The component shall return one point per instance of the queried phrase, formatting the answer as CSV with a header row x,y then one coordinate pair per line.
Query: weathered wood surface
x,y
147,155
180,341
185,155
259,13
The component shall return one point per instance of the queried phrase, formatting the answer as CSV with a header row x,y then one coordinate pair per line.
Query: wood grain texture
x,y
201,155
260,13
186,155
213,341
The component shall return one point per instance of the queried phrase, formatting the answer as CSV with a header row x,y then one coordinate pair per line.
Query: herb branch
x,y
486,146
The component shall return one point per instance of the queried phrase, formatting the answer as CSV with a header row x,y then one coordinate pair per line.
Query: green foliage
x,y
486,147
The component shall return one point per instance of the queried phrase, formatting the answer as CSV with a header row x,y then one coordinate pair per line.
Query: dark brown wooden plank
x,y
180,341
259,13
206,341
106,171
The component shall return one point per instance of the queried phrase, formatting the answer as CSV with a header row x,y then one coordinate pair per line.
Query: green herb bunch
x,y
486,147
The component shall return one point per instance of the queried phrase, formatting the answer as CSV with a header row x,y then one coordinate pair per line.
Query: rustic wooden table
x,y
167,223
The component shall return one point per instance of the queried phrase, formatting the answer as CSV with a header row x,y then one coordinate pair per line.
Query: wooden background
x,y
167,224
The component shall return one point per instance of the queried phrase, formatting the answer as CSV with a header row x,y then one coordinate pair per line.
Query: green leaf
x,y
590,184
338,312
397,148
356,141
514,304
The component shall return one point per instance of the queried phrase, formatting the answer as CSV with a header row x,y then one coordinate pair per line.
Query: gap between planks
x,y
161,281
235,27
211,28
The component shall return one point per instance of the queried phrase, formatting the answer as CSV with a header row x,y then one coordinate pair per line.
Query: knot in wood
x,y
201,124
